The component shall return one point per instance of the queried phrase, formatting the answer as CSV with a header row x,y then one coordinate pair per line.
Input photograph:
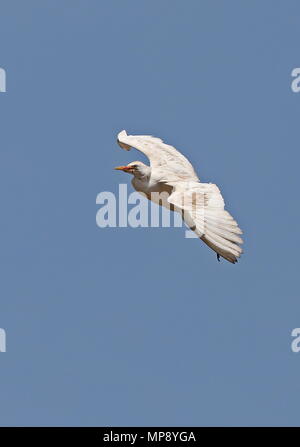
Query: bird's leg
x,y
218,257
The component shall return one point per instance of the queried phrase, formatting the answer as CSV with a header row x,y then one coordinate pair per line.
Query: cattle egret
x,y
200,204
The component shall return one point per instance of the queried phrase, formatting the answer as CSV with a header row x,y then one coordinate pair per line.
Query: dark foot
x,y
218,257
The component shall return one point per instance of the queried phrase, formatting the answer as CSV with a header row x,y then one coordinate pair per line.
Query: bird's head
x,y
137,168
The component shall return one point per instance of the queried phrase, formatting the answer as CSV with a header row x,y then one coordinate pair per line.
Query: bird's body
x,y
153,188
171,181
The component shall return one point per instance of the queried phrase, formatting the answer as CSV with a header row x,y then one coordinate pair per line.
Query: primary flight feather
x,y
200,204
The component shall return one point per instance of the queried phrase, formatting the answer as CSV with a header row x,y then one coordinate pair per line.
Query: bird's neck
x,y
144,174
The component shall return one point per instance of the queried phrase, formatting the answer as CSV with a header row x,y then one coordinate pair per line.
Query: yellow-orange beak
x,y
123,168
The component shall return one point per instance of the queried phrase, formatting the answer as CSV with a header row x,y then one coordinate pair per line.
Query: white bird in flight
x,y
200,204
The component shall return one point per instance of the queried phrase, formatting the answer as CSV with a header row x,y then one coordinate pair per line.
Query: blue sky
x,y
123,326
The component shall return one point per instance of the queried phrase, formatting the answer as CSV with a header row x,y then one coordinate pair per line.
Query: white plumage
x,y
200,204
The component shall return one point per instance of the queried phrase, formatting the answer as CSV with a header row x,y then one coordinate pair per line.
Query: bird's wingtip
x,y
121,136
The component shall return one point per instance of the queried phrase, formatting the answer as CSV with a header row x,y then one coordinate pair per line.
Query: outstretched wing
x,y
202,208
161,155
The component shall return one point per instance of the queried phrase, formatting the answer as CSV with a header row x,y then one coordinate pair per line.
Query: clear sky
x,y
125,326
